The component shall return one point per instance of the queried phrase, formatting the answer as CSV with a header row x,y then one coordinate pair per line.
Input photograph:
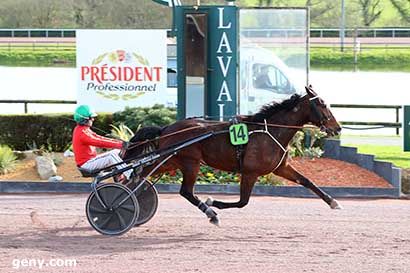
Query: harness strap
x,y
316,111
239,149
266,131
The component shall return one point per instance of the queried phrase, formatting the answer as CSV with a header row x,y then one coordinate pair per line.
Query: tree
x,y
370,10
403,8
319,7
44,13
88,13
140,15
34,14
14,14
267,2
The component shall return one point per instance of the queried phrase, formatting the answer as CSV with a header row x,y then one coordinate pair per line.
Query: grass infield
x,y
393,154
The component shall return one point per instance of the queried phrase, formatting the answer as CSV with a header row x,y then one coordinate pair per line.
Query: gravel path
x,y
271,234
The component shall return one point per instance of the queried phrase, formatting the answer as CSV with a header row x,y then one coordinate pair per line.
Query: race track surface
x,y
271,234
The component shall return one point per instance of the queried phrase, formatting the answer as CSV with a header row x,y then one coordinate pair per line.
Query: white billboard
x,y
118,68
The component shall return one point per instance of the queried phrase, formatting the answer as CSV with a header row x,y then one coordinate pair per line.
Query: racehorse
x,y
270,131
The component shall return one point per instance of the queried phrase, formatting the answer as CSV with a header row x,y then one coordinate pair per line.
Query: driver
x,y
263,80
85,142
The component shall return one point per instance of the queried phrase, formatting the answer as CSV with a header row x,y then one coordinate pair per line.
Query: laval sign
x,y
118,68
224,51
217,29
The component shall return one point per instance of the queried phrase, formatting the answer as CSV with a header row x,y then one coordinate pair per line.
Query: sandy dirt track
x,y
271,234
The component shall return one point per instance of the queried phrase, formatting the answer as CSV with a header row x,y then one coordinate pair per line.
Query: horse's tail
x,y
144,134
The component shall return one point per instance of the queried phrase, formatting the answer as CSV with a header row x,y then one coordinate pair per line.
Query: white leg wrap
x,y
335,205
210,213
209,201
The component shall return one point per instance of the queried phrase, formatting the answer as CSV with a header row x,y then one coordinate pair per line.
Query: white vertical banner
x,y
118,68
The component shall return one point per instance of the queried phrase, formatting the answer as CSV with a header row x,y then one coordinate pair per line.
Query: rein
x,y
279,125
261,124
218,123
167,135
265,125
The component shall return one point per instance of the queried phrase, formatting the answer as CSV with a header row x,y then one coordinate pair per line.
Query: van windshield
x,y
270,78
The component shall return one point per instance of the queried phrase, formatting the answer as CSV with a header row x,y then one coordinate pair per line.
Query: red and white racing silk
x,y
85,142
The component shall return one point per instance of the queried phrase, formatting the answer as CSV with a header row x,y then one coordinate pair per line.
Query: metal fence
x,y
314,32
27,102
362,32
31,33
396,124
37,45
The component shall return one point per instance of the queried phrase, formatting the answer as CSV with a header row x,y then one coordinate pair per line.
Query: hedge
x,y
375,58
378,57
52,132
133,117
36,58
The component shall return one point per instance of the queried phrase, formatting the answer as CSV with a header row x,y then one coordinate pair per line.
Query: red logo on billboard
x,y
121,75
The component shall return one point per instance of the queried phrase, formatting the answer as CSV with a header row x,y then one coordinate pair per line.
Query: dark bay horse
x,y
271,130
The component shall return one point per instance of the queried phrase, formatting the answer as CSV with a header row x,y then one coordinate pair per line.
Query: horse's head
x,y
320,114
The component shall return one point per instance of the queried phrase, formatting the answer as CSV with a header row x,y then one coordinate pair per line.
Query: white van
x,y
263,78
255,63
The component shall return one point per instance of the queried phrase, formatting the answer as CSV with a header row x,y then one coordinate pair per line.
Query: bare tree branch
x,y
371,11
319,8
403,8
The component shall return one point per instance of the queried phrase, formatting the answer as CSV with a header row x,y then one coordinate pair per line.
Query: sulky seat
x,y
87,173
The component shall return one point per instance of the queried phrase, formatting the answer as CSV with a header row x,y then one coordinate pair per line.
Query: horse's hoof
x,y
209,201
335,205
214,220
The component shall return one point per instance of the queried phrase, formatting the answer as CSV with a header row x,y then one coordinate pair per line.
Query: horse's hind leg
x,y
247,182
288,172
190,171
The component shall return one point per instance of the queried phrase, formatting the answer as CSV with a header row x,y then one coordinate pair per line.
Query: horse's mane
x,y
270,109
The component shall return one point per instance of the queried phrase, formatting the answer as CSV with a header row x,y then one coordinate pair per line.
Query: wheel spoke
x,y
112,193
116,197
103,195
95,209
122,221
106,221
129,208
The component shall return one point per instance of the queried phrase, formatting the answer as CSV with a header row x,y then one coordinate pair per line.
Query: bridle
x,y
321,117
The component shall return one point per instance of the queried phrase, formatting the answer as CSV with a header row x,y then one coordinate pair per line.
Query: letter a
x,y
224,43
224,92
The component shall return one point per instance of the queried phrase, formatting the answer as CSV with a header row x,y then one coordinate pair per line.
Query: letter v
x,y
224,67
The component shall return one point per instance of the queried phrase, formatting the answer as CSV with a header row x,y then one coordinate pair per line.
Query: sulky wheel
x,y
147,197
118,212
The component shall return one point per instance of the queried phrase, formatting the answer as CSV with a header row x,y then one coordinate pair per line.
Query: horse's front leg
x,y
190,171
247,183
288,172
